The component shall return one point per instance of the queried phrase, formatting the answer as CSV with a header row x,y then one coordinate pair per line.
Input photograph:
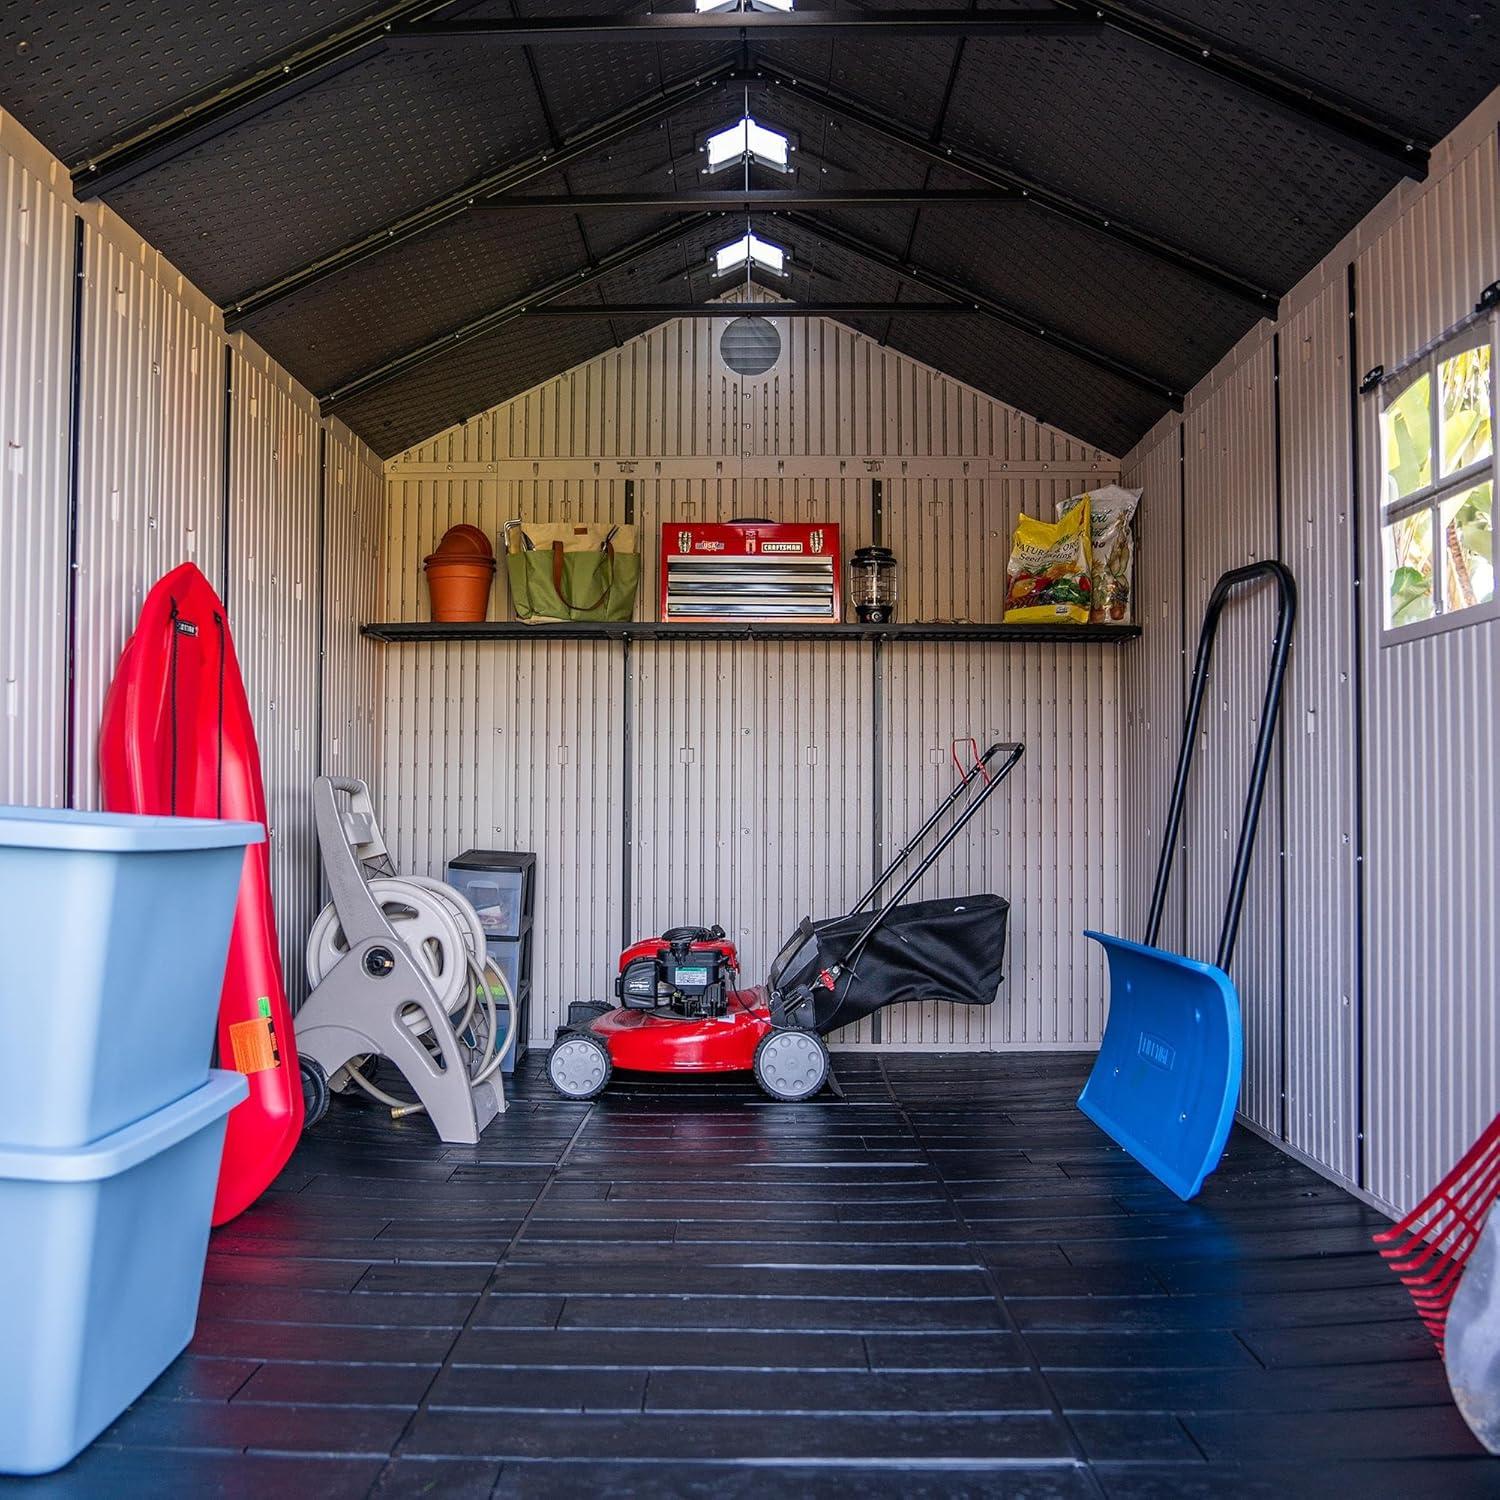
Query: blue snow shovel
x,y
1168,1072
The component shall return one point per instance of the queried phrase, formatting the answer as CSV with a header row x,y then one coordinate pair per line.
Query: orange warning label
x,y
254,1046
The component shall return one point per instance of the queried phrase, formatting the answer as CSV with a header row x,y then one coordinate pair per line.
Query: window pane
x,y
1406,425
1468,558
1464,412
1408,569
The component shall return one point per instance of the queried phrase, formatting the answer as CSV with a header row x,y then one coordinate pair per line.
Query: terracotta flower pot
x,y
464,541
460,587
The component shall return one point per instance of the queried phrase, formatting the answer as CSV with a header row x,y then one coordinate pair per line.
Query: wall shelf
x,y
398,631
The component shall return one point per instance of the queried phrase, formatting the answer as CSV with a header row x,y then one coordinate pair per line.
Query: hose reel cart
x,y
399,970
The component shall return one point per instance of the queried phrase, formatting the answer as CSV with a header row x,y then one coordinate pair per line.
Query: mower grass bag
x,y
952,949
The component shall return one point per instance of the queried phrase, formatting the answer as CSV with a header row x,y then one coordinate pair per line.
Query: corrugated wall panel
x,y
833,392
1229,518
272,600
1151,682
1432,742
1048,840
518,747
36,323
150,456
1318,739
353,588
752,783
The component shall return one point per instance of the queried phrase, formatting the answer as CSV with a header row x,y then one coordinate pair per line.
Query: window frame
x,y
1441,488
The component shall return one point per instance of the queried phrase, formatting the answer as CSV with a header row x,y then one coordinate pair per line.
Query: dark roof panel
x,y
1126,130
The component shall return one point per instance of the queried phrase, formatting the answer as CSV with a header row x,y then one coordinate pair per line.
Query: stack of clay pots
x,y
460,574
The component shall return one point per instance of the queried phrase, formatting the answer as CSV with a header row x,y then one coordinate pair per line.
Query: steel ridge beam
x,y
744,25
1387,142
732,200
430,349
148,144
473,194
755,310
1029,190
992,307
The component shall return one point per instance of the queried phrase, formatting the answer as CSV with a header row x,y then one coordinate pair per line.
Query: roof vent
x,y
750,346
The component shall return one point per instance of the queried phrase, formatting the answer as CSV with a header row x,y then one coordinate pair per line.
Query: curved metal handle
x,y
981,770
1286,619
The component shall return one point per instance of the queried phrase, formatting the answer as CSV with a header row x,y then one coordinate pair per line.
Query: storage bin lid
x,y
118,833
132,1144
492,859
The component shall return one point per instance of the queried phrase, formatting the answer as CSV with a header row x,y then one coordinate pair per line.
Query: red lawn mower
x,y
680,1009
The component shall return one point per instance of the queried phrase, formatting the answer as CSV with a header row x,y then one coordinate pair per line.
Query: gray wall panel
x,y
1386,1084
1432,744
273,607
1152,683
151,435
1318,740
352,586
36,327
1229,518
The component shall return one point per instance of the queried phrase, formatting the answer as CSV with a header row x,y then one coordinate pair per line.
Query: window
x,y
1437,460
702,5
750,249
748,140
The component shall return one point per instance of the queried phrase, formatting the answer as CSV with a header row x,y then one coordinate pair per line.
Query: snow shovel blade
x,y
1168,1072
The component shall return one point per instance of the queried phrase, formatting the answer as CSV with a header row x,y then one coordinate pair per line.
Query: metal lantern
x,y
872,585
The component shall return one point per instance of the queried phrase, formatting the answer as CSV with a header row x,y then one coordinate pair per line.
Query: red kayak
x,y
177,739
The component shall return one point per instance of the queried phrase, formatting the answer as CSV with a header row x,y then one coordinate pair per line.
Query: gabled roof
x,y
1117,201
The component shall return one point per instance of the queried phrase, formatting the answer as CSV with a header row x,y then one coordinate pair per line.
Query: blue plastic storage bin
x,y
101,1262
116,931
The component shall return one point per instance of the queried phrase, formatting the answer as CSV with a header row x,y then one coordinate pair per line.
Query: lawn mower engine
x,y
687,972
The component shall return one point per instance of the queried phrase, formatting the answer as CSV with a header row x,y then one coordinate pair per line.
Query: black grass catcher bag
x,y
952,949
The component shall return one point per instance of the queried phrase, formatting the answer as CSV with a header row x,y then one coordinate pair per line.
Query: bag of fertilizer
x,y
1112,539
1048,578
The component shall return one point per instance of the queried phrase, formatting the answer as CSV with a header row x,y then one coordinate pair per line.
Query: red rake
x,y
1428,1248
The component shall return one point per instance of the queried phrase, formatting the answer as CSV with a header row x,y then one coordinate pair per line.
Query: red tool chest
x,y
751,570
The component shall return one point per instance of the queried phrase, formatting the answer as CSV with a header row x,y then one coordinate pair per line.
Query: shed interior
x,y
288,292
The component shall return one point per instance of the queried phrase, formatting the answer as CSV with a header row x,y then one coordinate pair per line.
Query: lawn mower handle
x,y
1014,751
980,769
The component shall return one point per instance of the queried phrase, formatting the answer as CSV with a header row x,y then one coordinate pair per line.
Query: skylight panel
x,y
748,140
702,5
750,248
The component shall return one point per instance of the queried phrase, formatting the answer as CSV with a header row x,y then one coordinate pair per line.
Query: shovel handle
x,y
1286,619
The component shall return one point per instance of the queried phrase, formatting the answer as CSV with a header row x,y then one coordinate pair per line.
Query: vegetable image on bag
x,y
1049,575
560,571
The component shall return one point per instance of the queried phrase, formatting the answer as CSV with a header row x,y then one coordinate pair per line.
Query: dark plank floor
x,y
950,1284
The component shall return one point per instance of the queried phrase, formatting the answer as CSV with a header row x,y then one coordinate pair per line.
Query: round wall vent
x,y
750,346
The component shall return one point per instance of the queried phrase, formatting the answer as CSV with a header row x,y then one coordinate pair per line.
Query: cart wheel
x,y
578,1065
791,1065
314,1091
